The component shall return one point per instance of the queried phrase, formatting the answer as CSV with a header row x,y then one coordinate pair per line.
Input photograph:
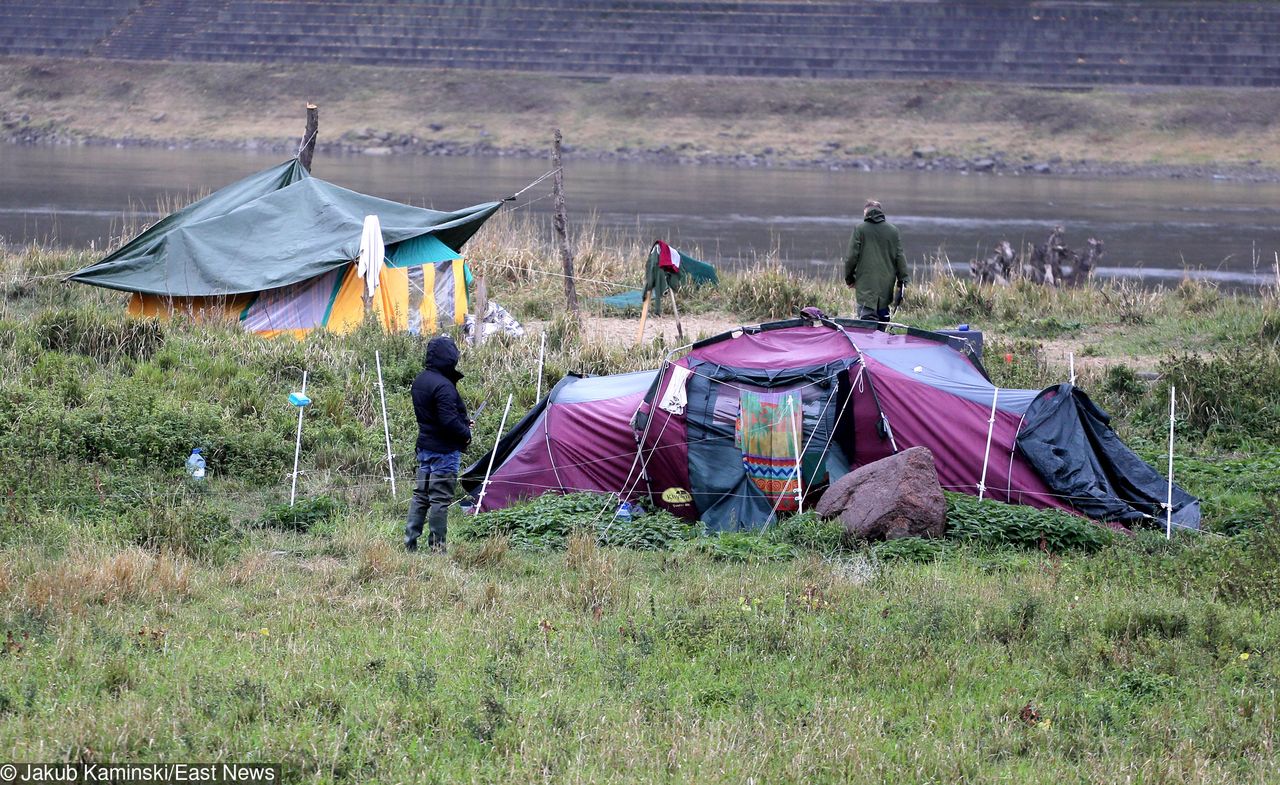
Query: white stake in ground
x,y
300,400
991,427
489,470
542,353
1071,358
1168,507
386,428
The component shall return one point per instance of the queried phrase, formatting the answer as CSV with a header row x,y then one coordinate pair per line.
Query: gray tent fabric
x,y
1069,442
272,229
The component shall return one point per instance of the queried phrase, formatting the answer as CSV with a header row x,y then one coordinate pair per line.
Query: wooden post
x,y
308,148
644,315
561,223
482,305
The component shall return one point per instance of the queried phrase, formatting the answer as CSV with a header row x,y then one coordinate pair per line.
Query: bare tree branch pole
x,y
561,223
308,149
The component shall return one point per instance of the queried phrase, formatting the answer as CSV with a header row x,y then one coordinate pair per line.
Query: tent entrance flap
x,y
747,427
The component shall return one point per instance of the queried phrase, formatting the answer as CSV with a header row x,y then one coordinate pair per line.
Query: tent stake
x,y
1071,358
1168,507
484,486
986,457
386,428
297,447
542,353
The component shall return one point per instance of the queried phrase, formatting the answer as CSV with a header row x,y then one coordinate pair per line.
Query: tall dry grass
x,y
593,583
131,575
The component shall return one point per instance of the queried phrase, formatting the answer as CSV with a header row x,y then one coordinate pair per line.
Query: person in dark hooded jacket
x,y
875,267
443,432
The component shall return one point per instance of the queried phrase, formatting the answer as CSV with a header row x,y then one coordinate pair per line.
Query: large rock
x,y
898,496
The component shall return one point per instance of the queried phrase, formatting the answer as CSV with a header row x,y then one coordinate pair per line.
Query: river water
x,y
1155,230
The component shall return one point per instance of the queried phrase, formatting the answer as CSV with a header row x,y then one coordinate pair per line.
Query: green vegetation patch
x,y
546,522
993,523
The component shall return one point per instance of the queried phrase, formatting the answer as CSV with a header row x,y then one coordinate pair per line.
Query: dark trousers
x,y
432,495
873,314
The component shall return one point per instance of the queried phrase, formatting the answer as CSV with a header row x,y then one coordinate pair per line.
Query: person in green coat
x,y
874,267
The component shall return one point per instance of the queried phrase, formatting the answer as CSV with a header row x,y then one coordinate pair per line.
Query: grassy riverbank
x,y
737,120
144,619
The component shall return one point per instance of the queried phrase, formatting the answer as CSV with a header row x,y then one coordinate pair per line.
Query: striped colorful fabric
x,y
768,433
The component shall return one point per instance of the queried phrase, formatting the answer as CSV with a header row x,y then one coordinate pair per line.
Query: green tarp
x,y
658,280
271,229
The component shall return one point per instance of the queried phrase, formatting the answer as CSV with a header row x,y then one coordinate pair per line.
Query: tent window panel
x,y
725,407
301,306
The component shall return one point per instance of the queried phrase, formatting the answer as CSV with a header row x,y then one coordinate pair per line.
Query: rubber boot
x,y
418,506
440,493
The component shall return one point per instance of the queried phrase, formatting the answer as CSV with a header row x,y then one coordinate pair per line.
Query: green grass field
x,y
146,619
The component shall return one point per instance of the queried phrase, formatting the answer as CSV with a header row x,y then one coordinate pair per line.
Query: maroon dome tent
x,y
578,438
725,431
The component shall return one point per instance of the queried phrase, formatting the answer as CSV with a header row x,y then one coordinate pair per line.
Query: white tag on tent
x,y
372,252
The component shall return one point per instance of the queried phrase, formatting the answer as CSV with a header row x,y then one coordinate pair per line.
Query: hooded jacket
x,y
442,416
875,261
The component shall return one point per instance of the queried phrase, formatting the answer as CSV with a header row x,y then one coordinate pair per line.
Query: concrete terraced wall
x,y
1050,43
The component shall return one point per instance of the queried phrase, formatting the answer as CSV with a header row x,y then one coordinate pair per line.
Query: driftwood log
x,y
1052,263
997,268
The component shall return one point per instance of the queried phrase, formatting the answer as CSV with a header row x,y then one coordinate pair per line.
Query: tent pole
x,y
386,428
542,353
986,457
676,312
1168,521
884,418
297,447
489,470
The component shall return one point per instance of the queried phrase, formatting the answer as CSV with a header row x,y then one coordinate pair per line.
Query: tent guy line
x,y
516,195
526,270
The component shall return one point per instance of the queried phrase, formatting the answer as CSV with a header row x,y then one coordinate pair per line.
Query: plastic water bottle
x,y
624,513
195,465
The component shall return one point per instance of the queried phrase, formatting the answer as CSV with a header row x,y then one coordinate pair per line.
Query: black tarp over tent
x,y
1069,441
